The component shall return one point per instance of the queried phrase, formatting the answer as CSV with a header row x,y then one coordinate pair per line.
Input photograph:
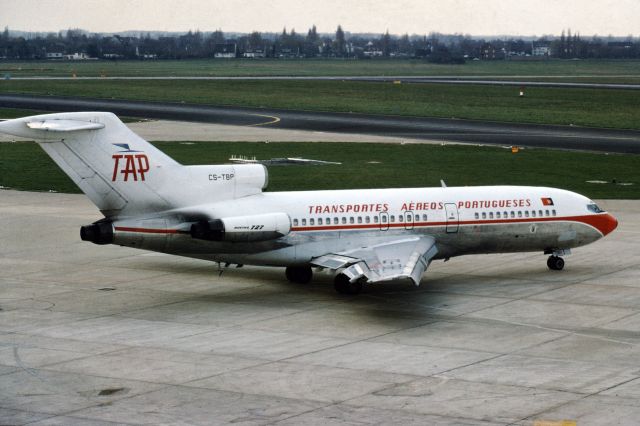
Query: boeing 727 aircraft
x,y
220,212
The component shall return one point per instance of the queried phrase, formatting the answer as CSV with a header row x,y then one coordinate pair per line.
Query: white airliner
x,y
220,212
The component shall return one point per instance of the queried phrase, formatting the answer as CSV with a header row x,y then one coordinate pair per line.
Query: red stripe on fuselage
x,y
604,223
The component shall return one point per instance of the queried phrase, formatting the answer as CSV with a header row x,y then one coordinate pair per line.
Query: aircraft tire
x,y
299,274
555,263
343,286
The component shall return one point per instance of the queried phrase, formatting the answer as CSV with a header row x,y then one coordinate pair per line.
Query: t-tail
x,y
123,174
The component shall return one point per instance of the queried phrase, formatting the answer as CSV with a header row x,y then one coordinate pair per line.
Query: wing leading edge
x,y
397,259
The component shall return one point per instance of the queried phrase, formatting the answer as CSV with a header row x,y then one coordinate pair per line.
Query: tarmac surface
x,y
433,129
102,335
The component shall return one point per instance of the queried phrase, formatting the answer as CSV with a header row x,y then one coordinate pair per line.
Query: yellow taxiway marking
x,y
273,118
555,423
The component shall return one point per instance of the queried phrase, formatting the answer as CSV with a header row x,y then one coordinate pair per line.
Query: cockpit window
x,y
593,207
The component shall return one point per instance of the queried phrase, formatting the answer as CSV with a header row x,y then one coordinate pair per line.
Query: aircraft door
x,y
384,221
452,219
408,220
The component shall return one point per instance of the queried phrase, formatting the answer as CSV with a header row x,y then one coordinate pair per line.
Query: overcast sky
x,y
479,17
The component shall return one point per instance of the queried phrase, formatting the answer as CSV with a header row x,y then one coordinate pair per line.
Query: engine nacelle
x,y
262,227
97,233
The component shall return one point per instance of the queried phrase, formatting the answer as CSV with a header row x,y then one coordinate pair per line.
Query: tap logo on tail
x,y
129,163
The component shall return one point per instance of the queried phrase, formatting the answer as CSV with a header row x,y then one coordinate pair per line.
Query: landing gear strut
x,y
343,286
555,263
299,274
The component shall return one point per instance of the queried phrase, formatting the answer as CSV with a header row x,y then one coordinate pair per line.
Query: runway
x,y
109,335
433,129
478,80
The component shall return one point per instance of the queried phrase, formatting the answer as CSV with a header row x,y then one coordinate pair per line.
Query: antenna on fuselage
x,y
444,185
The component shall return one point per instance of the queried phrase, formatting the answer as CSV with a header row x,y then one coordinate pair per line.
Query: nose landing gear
x,y
555,263
299,274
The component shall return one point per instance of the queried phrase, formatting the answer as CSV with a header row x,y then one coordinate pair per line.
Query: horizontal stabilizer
x,y
64,125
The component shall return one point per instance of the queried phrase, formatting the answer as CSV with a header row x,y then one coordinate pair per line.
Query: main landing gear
x,y
299,274
343,286
555,263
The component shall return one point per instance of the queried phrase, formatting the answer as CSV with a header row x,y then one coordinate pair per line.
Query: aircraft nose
x,y
607,224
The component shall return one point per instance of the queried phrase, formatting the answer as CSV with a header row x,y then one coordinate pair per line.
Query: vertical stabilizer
x,y
120,172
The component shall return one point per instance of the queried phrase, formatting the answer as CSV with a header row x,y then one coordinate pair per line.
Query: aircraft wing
x,y
396,259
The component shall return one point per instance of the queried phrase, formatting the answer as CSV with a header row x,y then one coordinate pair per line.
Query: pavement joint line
x,y
584,396
537,326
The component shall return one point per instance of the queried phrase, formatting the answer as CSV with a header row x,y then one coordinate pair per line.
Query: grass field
x,y
9,113
25,166
584,107
616,71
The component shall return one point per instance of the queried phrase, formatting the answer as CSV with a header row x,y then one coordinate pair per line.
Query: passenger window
x,y
539,213
506,215
477,215
295,222
311,222
512,214
367,219
384,219
519,214
319,221
351,220
335,220
375,219
344,220
392,218
424,217
533,213
400,218
304,222
497,215
490,215
526,213
484,215
359,219
553,212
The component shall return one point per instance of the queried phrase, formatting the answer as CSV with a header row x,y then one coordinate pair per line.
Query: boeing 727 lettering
x,y
220,213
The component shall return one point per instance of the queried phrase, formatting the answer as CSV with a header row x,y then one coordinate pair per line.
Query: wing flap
x,y
334,261
397,259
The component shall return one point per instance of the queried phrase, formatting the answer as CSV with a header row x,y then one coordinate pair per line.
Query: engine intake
x,y
98,233
262,227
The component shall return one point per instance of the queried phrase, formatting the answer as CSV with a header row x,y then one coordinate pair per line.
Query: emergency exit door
x,y
452,219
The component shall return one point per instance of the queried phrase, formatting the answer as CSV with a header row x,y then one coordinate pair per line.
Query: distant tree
x,y
217,37
255,40
340,42
385,43
312,35
311,43
404,44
